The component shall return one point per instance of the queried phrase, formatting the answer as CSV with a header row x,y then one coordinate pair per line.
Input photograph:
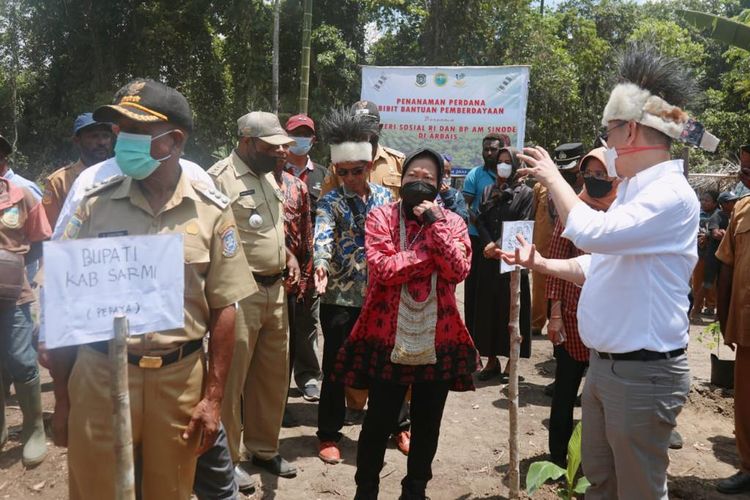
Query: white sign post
x,y
88,281
448,108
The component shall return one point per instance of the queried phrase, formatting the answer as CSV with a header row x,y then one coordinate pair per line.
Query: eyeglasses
x,y
596,175
345,172
605,134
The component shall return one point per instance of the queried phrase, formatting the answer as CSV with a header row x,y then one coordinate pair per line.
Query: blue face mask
x,y
133,154
302,146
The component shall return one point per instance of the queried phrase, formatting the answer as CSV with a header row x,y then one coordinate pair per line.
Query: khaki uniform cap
x,y
264,126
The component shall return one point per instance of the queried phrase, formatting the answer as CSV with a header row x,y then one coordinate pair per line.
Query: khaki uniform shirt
x,y
734,251
216,273
386,171
22,222
56,187
544,226
258,206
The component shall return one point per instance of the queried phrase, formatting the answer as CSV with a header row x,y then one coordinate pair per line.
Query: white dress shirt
x,y
643,251
101,172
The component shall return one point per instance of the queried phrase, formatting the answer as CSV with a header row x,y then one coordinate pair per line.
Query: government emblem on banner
x,y
441,79
421,79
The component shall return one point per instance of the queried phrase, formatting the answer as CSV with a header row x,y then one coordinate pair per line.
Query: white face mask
x,y
610,155
504,170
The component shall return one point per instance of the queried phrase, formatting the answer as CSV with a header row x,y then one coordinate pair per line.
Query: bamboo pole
x,y
514,474
304,80
275,56
122,430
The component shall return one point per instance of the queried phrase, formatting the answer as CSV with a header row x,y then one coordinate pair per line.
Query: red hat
x,y
299,121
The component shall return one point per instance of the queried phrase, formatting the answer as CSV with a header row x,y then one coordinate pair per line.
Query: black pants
x,y
470,284
568,375
336,322
427,404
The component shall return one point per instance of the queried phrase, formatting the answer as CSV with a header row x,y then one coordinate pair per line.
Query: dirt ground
x,y
473,454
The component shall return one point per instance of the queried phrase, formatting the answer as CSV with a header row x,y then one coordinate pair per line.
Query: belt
x,y
154,361
641,355
267,280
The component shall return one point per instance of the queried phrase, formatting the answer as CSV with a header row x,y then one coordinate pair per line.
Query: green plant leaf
x,y
582,486
539,473
574,454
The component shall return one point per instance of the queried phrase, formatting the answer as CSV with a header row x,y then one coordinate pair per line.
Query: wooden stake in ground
x,y
122,430
514,330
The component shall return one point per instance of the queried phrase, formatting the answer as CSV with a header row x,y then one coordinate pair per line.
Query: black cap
x,y
745,148
5,146
567,155
367,109
148,101
727,196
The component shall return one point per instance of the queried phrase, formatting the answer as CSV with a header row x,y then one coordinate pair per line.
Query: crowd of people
x,y
368,252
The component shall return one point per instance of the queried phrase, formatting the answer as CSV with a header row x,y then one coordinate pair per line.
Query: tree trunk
x,y
514,477
14,67
304,81
118,362
275,73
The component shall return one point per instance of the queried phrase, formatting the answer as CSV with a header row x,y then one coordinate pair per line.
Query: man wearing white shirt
x,y
634,302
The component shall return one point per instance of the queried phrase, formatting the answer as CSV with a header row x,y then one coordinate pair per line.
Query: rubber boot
x,y
3,425
32,435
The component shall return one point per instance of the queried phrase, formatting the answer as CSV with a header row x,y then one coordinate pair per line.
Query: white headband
x,y
351,151
630,102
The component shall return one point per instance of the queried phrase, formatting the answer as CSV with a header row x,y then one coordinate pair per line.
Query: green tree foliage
x,y
59,58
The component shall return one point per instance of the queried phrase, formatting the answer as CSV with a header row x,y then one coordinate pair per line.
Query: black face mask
x,y
263,163
414,193
597,188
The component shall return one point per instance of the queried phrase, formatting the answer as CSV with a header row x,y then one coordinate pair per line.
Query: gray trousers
x,y
303,333
629,411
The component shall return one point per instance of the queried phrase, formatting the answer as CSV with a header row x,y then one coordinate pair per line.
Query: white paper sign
x,y
88,281
509,242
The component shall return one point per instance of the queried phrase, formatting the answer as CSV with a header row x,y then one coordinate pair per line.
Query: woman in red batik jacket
x,y
409,332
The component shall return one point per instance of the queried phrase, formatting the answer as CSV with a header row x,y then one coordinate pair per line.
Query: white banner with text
x,y
449,109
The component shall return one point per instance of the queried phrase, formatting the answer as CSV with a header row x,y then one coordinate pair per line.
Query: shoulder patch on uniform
x,y
214,195
73,227
394,152
217,168
104,185
229,243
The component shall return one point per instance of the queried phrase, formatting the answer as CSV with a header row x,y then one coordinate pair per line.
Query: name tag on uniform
x,y
111,234
248,192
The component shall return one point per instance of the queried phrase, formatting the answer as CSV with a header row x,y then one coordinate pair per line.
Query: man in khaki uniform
x,y
386,162
258,378
734,317
175,408
94,142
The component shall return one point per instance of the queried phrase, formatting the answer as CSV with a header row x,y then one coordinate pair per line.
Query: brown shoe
x,y
403,441
328,451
